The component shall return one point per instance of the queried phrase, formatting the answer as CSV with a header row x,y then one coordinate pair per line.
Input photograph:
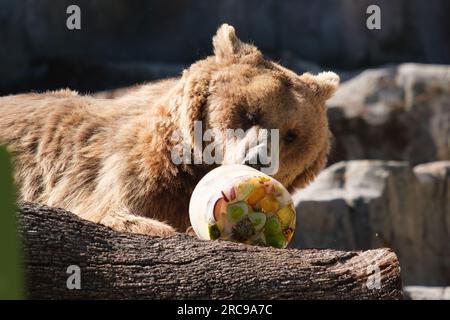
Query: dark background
x,y
123,42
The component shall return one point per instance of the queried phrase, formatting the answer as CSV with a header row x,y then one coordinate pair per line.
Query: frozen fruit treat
x,y
239,203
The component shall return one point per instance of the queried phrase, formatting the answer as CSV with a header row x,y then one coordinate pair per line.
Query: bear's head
x,y
237,88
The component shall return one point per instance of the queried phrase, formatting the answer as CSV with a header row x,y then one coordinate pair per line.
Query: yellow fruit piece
x,y
263,179
256,195
286,216
243,190
269,204
254,180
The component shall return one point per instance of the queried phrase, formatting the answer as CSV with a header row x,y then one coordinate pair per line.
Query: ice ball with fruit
x,y
242,204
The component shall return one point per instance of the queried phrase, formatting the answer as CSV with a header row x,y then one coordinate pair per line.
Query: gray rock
x,y
370,204
426,293
393,113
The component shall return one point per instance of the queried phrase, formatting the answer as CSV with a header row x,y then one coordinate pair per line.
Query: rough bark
x,y
128,266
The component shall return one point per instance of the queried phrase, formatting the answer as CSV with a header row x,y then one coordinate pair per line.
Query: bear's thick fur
x,y
109,160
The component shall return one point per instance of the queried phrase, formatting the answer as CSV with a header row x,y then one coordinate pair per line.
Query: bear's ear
x,y
225,42
228,47
323,85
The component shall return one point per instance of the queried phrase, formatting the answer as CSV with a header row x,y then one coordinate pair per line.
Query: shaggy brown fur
x,y
109,160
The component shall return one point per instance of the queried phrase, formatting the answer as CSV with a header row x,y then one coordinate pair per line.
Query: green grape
x,y
258,220
273,226
237,210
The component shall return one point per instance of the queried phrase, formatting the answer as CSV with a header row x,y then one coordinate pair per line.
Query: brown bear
x,y
109,160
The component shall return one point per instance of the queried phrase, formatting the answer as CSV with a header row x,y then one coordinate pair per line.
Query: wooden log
x,y
116,265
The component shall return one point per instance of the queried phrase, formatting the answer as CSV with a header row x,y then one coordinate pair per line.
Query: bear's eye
x,y
251,119
290,136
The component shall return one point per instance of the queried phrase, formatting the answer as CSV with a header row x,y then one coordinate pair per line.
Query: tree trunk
x,y
116,265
